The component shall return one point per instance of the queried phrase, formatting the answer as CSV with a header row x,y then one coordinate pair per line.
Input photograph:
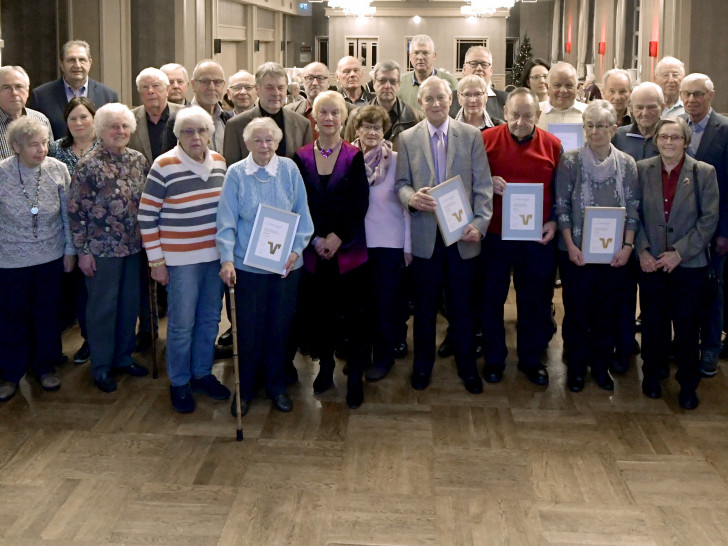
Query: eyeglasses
x,y
537,77
367,128
482,64
189,133
238,88
320,79
475,95
696,94
666,138
206,82
390,81
597,126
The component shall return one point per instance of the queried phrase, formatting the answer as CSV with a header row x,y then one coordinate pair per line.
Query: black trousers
x,y
265,304
534,268
444,269
676,297
627,309
30,306
590,324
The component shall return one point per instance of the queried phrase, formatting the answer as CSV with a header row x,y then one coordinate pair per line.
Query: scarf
x,y
487,122
377,160
594,171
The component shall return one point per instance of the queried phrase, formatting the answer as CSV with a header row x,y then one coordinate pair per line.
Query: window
x,y
461,47
322,49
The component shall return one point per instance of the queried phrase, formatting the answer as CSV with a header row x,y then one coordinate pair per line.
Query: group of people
x,y
171,191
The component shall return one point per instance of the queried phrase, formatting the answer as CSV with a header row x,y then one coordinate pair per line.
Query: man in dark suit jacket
x,y
479,62
51,98
710,144
272,86
434,264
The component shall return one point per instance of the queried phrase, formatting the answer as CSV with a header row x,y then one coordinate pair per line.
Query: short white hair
x,y
194,115
649,86
671,60
152,72
171,67
599,110
429,82
422,39
697,76
563,67
104,115
262,123
617,72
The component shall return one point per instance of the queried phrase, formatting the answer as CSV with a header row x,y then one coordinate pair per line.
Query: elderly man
x,y
422,55
709,143
433,151
479,61
241,91
208,84
519,152
178,81
386,86
316,80
350,76
562,106
646,104
51,98
14,87
669,74
271,85
616,88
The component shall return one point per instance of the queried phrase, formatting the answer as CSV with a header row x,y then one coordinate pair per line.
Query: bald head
x,y
349,74
316,79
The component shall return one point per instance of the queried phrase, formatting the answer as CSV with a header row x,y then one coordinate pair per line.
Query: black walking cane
x,y
236,365
154,315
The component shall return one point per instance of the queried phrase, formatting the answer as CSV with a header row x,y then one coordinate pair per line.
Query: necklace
x,y
79,151
33,206
255,175
326,153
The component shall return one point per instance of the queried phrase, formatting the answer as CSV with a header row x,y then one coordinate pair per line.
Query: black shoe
x,y
325,378
478,343
244,407
708,368
182,400
223,351
663,372
105,382
575,382
473,384
210,386
377,372
445,349
420,381
535,374
290,373
83,354
603,380
688,399
651,387
282,402
401,350
226,338
492,374
354,394
619,365
134,369
143,342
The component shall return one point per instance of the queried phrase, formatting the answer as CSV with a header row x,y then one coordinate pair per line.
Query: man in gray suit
x,y
433,151
271,82
153,115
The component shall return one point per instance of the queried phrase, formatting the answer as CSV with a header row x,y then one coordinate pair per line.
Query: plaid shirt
x,y
5,149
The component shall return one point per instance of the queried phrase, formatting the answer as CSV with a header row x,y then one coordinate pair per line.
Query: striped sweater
x,y
178,208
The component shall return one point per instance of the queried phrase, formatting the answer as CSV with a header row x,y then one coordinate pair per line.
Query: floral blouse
x,y
67,155
104,203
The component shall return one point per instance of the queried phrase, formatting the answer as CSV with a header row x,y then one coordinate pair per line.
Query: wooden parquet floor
x,y
517,465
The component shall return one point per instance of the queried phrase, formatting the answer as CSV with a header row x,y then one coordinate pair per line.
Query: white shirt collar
x,y
444,127
251,167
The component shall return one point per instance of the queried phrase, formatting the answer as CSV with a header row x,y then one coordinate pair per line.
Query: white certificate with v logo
x,y
522,212
271,240
453,210
603,233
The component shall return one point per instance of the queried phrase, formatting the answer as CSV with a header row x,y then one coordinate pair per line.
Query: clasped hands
x,y
422,201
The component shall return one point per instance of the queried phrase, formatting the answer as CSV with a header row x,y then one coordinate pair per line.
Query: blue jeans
x,y
194,305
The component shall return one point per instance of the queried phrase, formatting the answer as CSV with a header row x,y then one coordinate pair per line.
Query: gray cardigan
x,y
685,231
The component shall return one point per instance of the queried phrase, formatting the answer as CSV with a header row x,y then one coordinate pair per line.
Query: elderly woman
x,y
389,245
266,301
80,139
472,95
596,175
535,76
35,248
177,219
103,207
336,282
679,214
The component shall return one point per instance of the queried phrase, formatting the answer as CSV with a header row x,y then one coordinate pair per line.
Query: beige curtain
x,y
619,33
583,33
555,43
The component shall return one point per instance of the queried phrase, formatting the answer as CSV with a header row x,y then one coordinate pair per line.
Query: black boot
x,y
325,378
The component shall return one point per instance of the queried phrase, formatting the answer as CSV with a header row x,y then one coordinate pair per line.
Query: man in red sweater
x,y
519,152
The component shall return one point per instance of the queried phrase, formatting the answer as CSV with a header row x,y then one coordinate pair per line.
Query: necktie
x,y
439,155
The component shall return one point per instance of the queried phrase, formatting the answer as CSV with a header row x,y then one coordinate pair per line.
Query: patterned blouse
x,y
104,203
570,194
67,155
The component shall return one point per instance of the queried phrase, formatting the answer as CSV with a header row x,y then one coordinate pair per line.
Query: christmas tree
x,y
522,57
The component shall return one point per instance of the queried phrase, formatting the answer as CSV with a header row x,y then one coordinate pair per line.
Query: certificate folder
x,y
453,209
271,240
603,233
522,212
